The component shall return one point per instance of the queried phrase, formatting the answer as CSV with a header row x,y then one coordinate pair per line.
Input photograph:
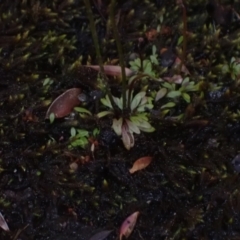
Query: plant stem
x,y
103,78
120,52
184,16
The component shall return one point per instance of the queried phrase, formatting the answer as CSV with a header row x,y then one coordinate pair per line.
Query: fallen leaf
x,y
101,235
64,104
3,223
112,70
128,225
140,164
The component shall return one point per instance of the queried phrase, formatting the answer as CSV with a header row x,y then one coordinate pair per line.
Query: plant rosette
x,y
136,122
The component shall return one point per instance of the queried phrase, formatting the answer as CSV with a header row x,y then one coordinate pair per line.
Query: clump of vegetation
x,y
136,119
165,67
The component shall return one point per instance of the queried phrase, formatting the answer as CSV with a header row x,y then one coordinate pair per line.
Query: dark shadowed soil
x,y
191,189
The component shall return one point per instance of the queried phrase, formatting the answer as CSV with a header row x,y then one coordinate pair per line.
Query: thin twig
x,y
120,52
103,79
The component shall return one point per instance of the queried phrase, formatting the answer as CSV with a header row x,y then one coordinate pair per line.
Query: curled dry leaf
x,y
140,164
101,235
112,70
3,223
64,104
128,225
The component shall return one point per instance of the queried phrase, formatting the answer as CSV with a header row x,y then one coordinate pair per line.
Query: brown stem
x,y
120,52
103,78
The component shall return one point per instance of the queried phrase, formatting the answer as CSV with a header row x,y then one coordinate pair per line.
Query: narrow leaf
x,y
128,225
174,94
132,127
137,99
104,113
64,104
101,235
140,164
169,105
160,94
117,126
186,97
3,223
82,110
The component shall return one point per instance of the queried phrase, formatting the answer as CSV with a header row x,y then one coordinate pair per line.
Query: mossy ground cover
x,y
53,188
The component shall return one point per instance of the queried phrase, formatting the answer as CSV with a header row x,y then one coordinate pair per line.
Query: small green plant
x,y
174,91
136,119
233,68
79,138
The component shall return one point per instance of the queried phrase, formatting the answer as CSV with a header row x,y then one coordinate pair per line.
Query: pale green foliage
x,y
233,68
138,120
79,138
146,67
175,91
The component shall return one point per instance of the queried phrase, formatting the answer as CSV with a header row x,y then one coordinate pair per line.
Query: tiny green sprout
x,y
79,138
47,81
51,117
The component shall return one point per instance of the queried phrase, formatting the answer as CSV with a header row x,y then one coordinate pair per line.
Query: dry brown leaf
x,y
112,70
64,104
128,225
140,164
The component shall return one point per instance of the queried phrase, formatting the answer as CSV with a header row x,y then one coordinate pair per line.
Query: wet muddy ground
x,y
49,190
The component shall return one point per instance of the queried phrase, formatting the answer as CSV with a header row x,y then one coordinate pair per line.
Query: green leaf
x,y
225,69
117,126
186,97
119,102
82,110
132,127
47,81
174,94
106,102
104,113
82,133
151,129
160,94
169,105
180,40
96,131
168,86
82,142
137,99
185,81
73,132
51,117
154,50
147,67
153,59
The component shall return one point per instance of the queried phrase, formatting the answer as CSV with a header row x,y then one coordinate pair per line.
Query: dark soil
x,y
191,188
